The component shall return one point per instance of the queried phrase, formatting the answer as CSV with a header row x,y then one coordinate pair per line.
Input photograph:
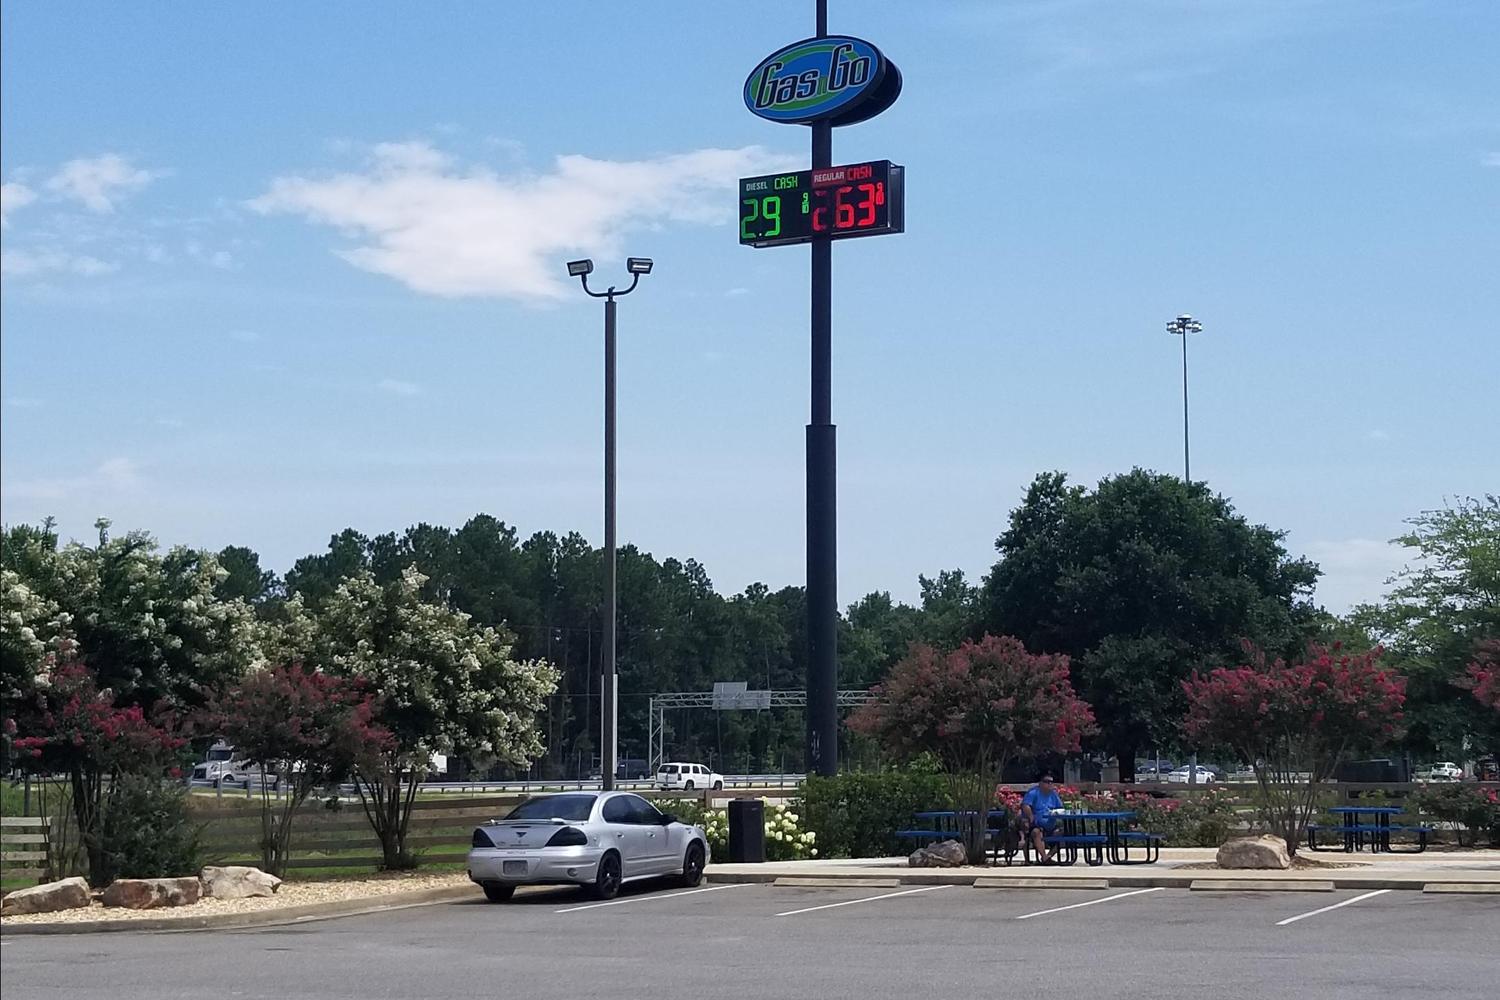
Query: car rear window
x,y
575,808
669,769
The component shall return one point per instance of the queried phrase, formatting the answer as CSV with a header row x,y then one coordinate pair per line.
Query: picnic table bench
x,y
1374,833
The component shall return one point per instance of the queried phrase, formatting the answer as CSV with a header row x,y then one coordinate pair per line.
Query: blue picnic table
x,y
1106,840
1374,832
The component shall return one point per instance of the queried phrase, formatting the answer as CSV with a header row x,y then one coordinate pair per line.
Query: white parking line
x,y
647,899
1092,902
866,899
1335,906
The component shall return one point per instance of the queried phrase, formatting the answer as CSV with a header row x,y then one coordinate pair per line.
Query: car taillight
x,y
481,839
568,837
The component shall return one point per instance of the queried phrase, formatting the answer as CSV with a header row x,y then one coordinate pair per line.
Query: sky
x,y
270,271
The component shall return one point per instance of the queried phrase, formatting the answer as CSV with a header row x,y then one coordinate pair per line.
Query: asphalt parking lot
x,y
760,941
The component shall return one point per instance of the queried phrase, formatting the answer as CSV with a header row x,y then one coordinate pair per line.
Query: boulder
x,y
1264,851
151,893
237,882
69,894
948,854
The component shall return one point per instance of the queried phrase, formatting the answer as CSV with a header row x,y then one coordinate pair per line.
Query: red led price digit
x,y
843,212
820,213
868,203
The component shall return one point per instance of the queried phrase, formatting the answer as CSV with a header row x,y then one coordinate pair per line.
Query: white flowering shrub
x,y
148,623
445,686
785,838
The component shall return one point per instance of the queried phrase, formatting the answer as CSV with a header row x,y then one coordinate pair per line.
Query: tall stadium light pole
x,y
1182,326
822,493
609,749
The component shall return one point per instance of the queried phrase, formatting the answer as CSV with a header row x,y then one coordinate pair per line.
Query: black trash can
x,y
747,831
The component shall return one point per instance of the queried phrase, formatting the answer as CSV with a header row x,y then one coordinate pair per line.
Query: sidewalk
x,y
1386,871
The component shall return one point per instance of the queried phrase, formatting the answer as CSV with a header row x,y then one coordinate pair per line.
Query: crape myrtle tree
x,y
443,686
1484,682
70,726
1141,580
1296,723
308,728
975,708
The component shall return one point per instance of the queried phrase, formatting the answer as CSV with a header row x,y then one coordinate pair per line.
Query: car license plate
x,y
514,868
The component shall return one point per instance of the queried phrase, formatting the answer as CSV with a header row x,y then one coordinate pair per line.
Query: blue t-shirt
x,y
1042,804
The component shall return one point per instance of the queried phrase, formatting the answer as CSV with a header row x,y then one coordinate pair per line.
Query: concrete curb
x,y
256,918
818,882
1414,881
1485,888
1041,883
1260,885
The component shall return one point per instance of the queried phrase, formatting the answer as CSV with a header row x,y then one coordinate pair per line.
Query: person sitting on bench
x,y
1037,807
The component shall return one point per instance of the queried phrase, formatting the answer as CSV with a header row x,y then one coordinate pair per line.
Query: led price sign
x,y
859,199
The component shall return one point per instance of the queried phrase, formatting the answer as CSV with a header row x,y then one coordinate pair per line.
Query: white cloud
x,y
449,230
1492,160
98,182
13,196
111,478
736,292
221,259
1378,435
398,387
25,263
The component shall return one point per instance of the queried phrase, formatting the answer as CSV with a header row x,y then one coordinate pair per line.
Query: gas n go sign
x,y
836,78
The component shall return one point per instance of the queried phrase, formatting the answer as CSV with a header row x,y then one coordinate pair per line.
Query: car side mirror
x,y
667,819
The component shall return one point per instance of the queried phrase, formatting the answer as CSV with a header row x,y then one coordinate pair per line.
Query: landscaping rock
x,y
151,893
1255,852
69,894
237,882
948,854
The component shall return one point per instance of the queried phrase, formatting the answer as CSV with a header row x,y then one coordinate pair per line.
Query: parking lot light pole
x,y
1181,327
610,688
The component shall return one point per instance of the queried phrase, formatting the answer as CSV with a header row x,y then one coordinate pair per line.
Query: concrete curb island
x,y
255,918
1304,880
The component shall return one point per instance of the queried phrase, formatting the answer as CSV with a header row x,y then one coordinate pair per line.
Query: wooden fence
x,y
439,832
23,848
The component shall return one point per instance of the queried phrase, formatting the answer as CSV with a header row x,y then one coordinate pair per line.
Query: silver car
x,y
596,840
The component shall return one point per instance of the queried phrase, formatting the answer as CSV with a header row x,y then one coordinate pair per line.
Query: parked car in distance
x,y
595,840
1445,771
1145,770
1184,775
687,777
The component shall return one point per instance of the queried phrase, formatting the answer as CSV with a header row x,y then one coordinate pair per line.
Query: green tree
x,y
1140,581
245,579
1440,608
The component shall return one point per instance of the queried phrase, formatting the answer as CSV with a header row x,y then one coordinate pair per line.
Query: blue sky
x,y
274,271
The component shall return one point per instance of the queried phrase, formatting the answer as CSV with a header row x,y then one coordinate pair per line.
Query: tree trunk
x,y
1125,754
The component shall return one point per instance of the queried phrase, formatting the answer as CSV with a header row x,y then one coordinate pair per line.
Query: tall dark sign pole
x,y
823,82
822,493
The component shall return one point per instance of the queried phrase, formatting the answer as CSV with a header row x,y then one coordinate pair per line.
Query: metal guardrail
x,y
732,782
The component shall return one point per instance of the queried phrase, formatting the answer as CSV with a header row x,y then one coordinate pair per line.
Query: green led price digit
x,y
745,220
770,210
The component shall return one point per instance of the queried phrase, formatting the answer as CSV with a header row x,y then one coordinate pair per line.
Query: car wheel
x,y
499,893
607,882
687,786
718,786
692,865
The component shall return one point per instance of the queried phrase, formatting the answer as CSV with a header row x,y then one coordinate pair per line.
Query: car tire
x,y
692,865
718,786
607,880
687,786
499,893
